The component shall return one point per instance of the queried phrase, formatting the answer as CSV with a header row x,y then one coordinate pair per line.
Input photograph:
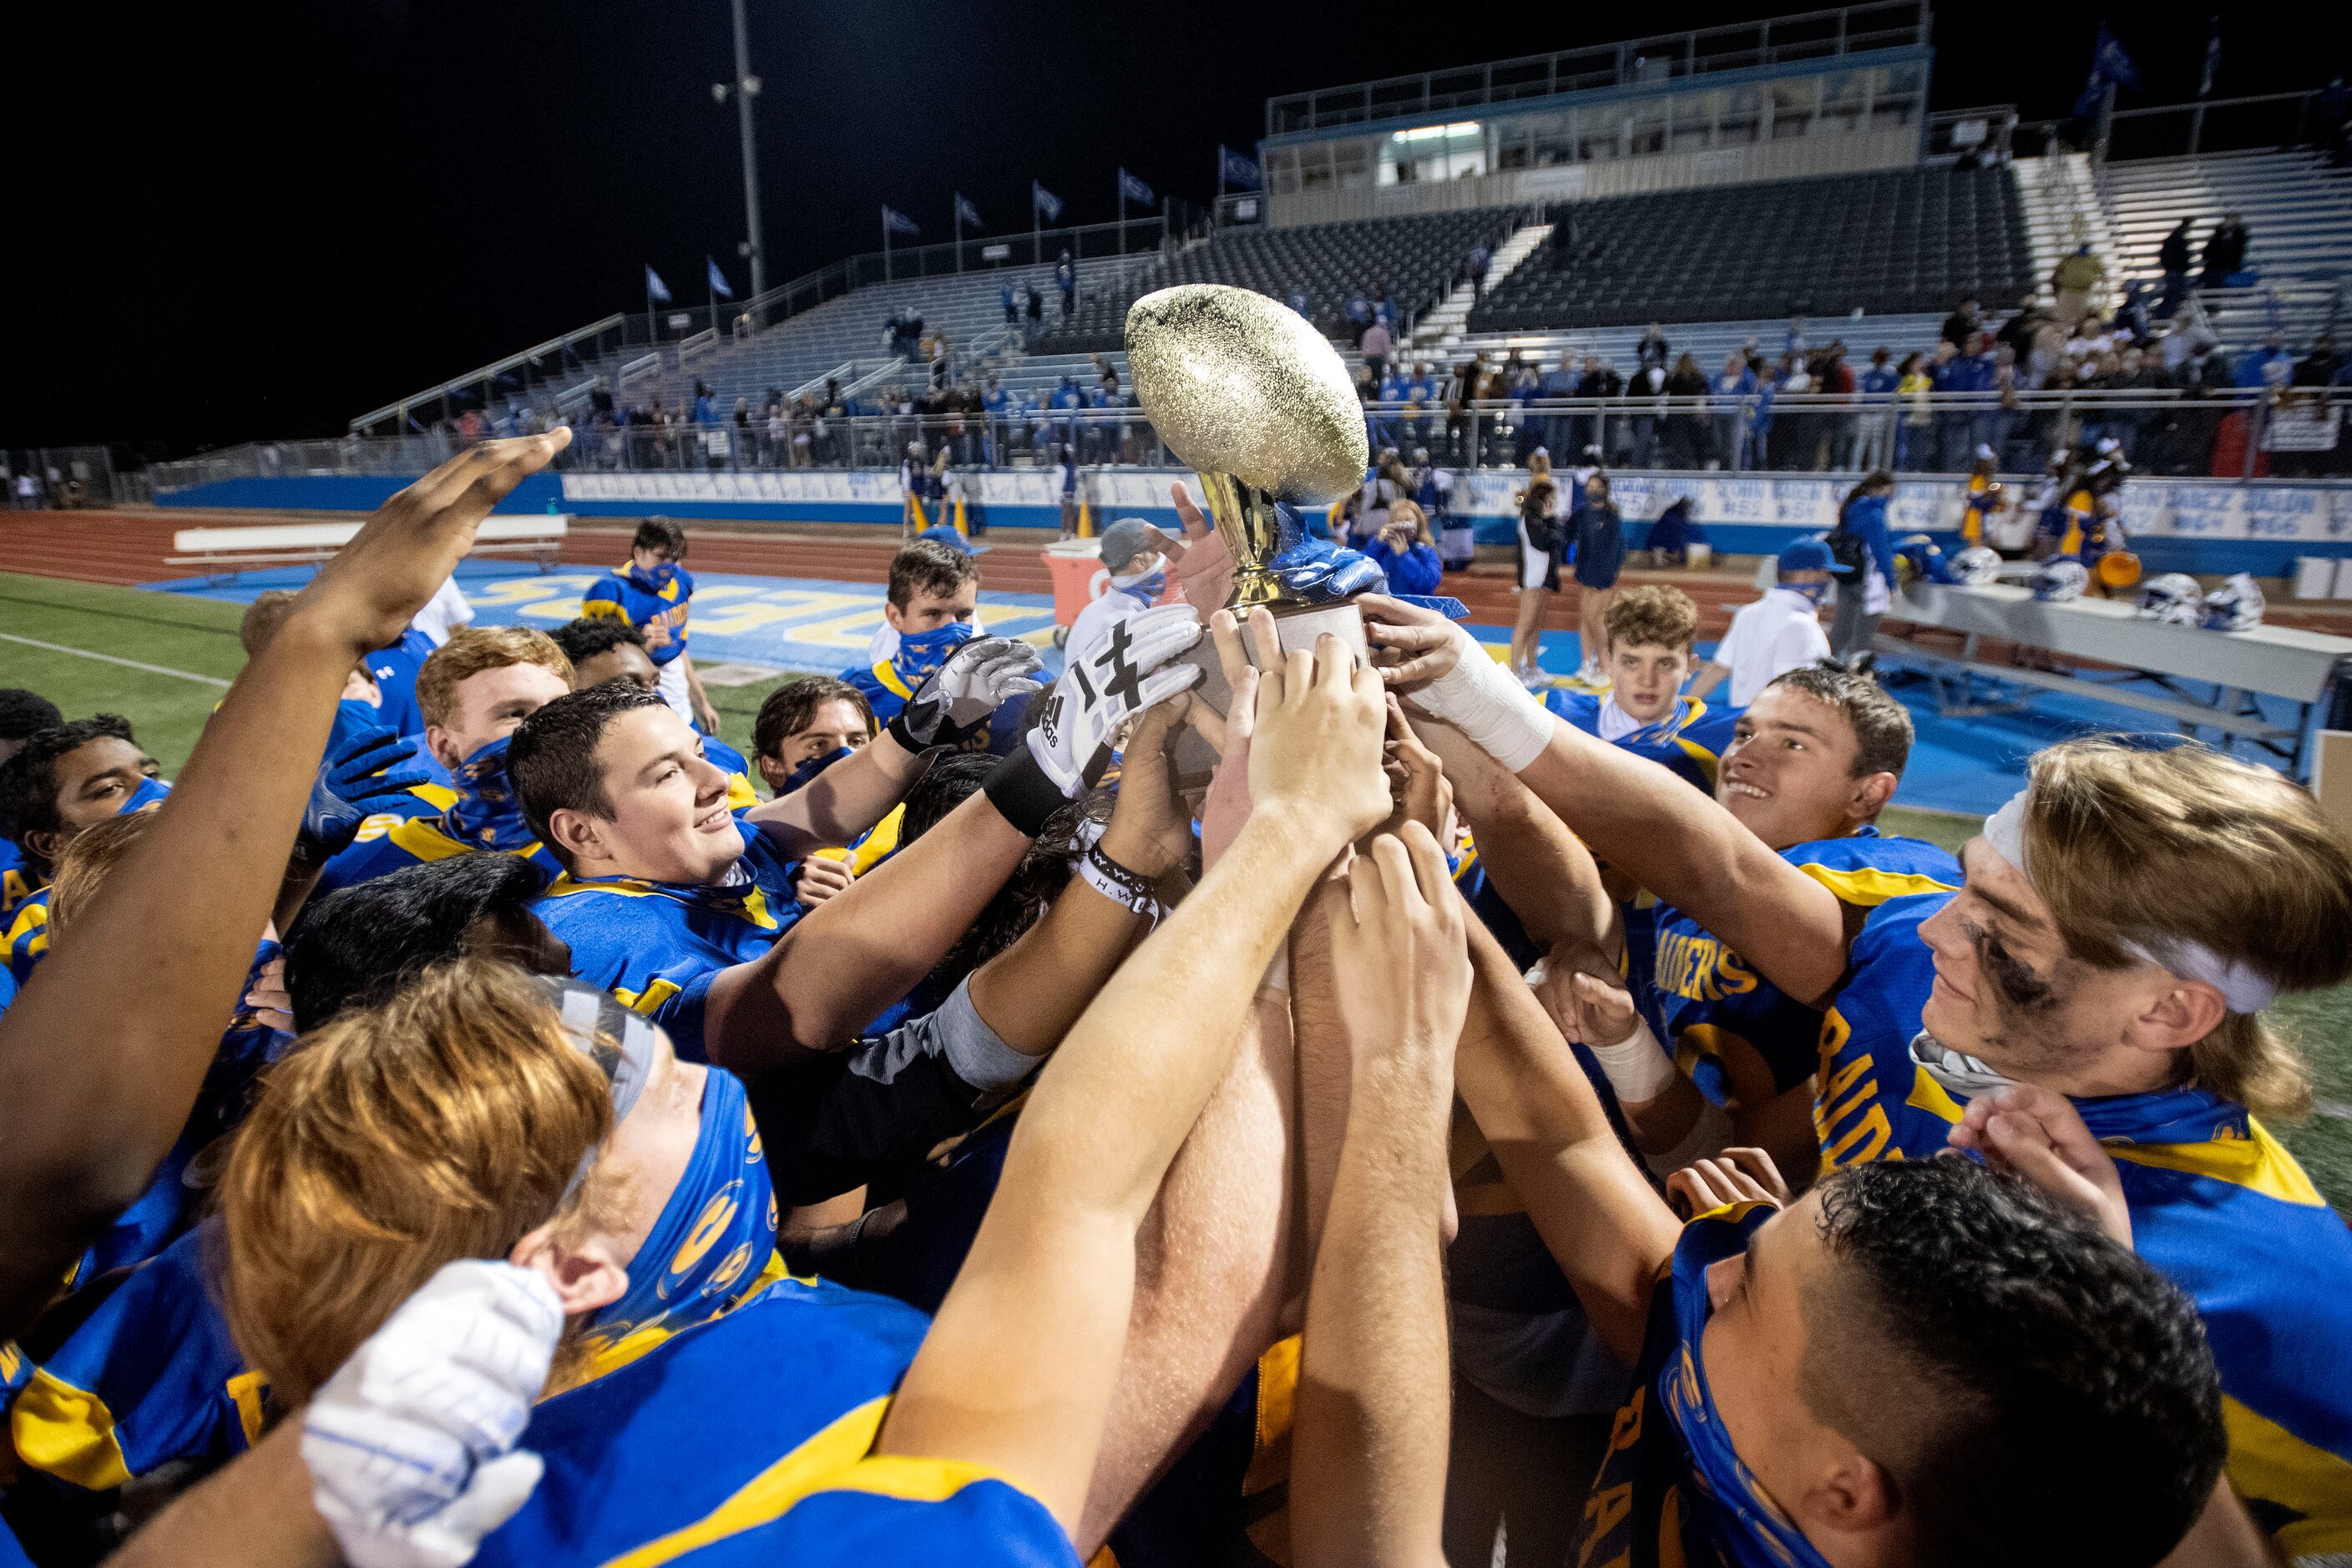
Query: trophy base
x,y
1296,626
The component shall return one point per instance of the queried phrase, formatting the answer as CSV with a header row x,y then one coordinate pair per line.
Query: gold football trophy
x,y
1256,402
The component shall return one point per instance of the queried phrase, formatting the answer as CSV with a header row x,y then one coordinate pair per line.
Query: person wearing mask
x,y
1653,349
1377,345
1860,540
1597,535
651,592
815,720
1135,568
64,781
1778,633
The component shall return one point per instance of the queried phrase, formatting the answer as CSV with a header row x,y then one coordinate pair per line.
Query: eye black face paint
x,y
2019,989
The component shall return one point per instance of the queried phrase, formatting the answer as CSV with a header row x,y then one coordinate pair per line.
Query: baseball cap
x,y
1124,539
1810,555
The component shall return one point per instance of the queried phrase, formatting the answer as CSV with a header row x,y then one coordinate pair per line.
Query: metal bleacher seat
x,y
1417,257
2298,215
1897,240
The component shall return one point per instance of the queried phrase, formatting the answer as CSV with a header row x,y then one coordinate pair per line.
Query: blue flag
x,y
894,222
1049,205
655,288
966,211
718,280
1236,170
2212,60
1133,189
2109,63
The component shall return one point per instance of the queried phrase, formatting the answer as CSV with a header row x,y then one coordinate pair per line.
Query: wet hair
x,y
591,637
927,566
552,760
28,781
662,534
1881,725
24,713
790,708
359,945
1978,1342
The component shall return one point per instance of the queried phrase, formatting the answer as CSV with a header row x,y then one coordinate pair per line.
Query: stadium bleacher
x,y
2299,214
1418,258
1894,241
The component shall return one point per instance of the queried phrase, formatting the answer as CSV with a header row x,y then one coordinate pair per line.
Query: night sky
x,y
250,220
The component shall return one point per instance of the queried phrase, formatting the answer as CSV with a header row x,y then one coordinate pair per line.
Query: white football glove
x,y
955,699
411,1443
1104,686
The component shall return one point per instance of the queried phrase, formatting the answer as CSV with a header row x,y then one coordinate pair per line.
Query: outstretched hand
x,y
1401,961
1203,564
2042,1137
402,555
1315,745
1227,805
1149,831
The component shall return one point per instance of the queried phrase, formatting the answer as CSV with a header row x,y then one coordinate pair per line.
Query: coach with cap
x,y
1137,572
1778,633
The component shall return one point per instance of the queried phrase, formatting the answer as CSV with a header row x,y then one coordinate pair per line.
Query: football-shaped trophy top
x,y
1238,383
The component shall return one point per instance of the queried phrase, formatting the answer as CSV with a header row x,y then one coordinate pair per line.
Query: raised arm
x,y
100,1058
948,707
863,949
1017,1372
1368,1467
1641,818
1604,1225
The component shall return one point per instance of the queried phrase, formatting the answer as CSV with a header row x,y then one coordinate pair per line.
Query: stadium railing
x,y
2236,435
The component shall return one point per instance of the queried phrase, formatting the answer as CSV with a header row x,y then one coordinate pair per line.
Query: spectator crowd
x,y
1223,1102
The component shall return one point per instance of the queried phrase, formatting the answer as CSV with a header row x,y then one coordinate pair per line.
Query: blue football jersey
x,y
392,841
395,669
17,881
27,938
723,1435
150,1377
2216,1202
656,605
1690,742
657,946
1740,1038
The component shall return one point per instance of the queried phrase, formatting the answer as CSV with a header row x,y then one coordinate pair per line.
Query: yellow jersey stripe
x,y
2268,1463
2257,1161
1867,887
68,1433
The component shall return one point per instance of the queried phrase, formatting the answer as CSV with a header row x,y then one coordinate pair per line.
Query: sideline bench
x,y
224,551
2299,667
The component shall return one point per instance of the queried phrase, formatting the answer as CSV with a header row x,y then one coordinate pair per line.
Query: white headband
x,y
2241,988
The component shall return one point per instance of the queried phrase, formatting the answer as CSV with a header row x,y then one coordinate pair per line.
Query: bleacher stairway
x,y
2298,215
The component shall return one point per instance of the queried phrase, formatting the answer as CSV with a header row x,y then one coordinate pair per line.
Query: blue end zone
x,y
1971,764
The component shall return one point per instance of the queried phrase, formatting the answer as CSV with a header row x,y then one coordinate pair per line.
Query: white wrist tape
x,y
1638,1067
1483,701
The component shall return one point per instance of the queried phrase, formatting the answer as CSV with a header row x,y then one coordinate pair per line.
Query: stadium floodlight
x,y
745,88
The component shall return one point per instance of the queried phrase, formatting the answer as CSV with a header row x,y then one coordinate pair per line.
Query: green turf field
x,y
199,637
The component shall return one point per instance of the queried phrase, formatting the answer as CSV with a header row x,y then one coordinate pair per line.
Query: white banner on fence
x,y
2312,512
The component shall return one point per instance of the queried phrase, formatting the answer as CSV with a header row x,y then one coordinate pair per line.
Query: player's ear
x,y
891,617
437,741
1871,794
577,834
1852,1496
582,1269
46,844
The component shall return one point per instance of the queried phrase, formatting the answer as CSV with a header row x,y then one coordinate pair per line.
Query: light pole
x,y
746,87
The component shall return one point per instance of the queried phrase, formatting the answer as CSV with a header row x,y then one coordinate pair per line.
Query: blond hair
x,y
444,1123
2130,843
1652,613
263,618
1409,513
473,649
84,863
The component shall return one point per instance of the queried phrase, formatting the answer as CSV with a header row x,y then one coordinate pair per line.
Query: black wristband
x,y
1022,792
896,730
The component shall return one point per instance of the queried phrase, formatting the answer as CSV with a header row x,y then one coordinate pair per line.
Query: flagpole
x,y
1220,173
2204,86
1036,230
886,245
959,230
1122,212
650,338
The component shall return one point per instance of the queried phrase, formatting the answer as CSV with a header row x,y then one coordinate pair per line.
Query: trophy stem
x,y
1245,520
